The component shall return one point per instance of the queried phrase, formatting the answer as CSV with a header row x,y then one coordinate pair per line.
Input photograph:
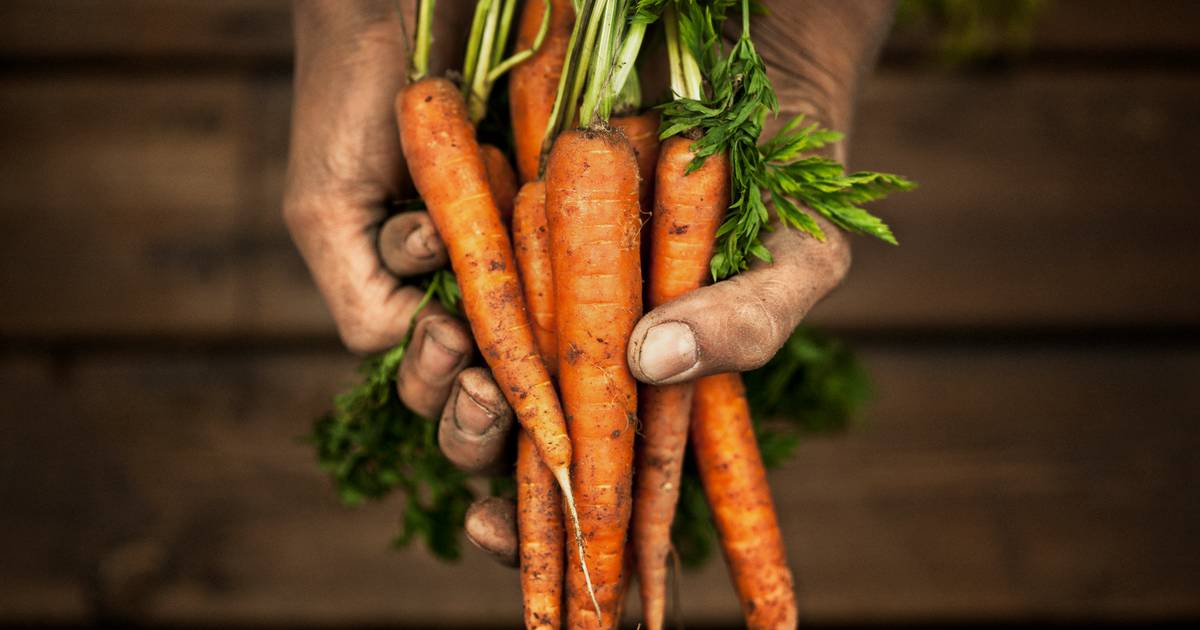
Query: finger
x,y
475,423
409,244
738,324
344,158
492,526
372,312
439,350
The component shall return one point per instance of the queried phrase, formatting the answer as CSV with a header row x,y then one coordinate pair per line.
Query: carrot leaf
x,y
731,116
371,445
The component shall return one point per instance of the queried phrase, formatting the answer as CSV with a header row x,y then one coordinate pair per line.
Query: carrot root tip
x,y
564,480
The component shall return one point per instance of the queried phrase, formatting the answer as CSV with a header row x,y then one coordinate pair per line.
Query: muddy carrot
x,y
501,179
592,210
539,504
448,170
687,212
642,132
531,242
735,483
540,538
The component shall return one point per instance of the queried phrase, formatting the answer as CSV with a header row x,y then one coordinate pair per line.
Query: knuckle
x,y
357,339
757,322
834,256
362,335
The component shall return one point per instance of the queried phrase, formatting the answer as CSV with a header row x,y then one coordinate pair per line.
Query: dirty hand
x,y
344,168
345,164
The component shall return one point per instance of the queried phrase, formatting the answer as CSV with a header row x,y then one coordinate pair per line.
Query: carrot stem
x,y
678,85
504,66
563,114
591,109
624,81
474,40
587,60
686,79
506,16
478,89
424,38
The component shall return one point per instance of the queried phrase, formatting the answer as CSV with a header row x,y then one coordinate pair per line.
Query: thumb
x,y
740,323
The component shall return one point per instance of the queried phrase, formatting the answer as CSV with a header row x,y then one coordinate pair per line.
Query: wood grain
x,y
135,206
142,158
124,29
985,483
149,208
1046,200
238,31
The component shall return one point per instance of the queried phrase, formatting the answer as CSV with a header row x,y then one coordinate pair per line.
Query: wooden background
x,y
1031,453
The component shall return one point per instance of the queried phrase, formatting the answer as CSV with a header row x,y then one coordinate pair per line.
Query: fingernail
x,y
436,357
417,244
669,349
471,416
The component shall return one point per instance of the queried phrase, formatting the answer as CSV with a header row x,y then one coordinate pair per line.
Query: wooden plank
x,y
241,30
1082,28
129,206
224,29
138,208
1046,200
986,483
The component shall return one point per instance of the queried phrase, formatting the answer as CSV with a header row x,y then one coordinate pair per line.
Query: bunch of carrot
x,y
553,299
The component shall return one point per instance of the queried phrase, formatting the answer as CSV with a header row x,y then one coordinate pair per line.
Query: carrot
x,y
447,168
501,179
531,242
533,83
735,483
642,132
592,210
540,534
539,515
687,213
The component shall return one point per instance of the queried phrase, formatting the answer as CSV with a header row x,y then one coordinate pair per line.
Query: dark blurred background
x,y
1030,454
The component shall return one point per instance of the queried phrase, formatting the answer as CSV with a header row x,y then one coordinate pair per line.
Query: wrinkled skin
x,y
345,165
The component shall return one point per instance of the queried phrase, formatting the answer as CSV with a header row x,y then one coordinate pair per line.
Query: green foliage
x,y
779,170
813,386
372,445
968,31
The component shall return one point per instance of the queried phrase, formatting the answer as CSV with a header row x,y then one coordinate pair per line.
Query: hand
x,y
344,168
345,164
740,323
815,52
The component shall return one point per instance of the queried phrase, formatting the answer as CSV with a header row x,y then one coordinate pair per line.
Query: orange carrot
x,y
735,483
531,242
592,210
534,82
501,179
687,212
539,504
642,132
540,537
448,170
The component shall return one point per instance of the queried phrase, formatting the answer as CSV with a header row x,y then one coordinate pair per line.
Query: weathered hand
x,y
815,53
344,168
345,165
740,323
